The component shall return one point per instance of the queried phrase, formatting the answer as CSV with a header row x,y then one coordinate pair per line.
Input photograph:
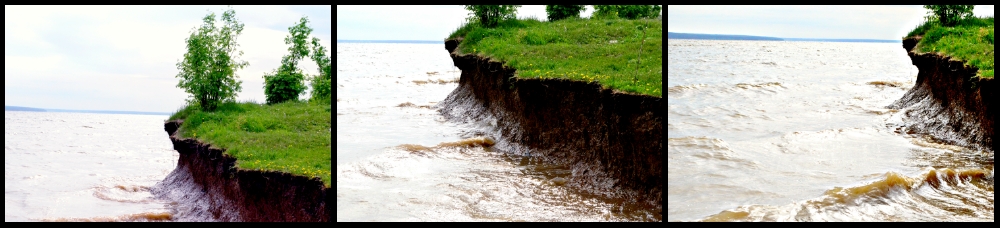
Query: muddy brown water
x,y
398,159
799,131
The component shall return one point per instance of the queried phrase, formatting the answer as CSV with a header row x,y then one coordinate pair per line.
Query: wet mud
x,y
207,186
140,217
610,141
438,81
411,105
465,143
893,84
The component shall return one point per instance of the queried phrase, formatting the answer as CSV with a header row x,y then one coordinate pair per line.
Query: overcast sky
x,y
843,22
123,58
413,22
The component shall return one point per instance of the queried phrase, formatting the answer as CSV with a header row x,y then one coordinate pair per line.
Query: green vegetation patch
x,y
603,51
292,137
971,40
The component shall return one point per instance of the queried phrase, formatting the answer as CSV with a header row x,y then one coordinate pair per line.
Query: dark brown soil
x,y
207,186
612,141
948,102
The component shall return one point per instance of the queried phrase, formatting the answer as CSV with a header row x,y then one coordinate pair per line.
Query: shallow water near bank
x,y
398,159
85,167
798,131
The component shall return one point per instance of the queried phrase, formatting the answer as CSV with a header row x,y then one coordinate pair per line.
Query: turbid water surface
x,y
85,167
798,131
398,159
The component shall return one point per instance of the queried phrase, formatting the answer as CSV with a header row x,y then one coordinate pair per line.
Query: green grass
x,y
971,41
293,137
576,49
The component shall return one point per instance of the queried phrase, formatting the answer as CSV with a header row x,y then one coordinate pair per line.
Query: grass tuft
x,y
292,137
971,41
603,51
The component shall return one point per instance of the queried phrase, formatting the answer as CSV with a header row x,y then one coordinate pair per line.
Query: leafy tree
x,y
491,15
208,71
626,11
321,84
949,15
605,12
286,83
559,12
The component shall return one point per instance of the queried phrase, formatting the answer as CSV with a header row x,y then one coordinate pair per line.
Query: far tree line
x,y
208,70
490,15
948,15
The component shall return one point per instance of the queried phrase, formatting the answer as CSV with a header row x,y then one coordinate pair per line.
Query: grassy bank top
x,y
292,137
971,40
603,51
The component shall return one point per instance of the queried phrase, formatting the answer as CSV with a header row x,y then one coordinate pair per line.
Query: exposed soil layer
x,y
948,102
611,141
207,186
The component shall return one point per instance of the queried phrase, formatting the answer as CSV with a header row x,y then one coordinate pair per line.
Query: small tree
x,y
208,71
321,84
559,12
626,11
491,15
605,12
286,83
949,15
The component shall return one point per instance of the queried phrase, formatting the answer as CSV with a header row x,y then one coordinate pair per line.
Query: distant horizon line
x,y
32,109
782,38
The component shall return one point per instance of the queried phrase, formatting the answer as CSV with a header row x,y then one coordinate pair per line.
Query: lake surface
x,y
398,159
85,167
798,131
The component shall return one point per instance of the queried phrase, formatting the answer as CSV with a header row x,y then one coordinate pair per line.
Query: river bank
x,y
954,97
611,141
207,184
948,101
251,162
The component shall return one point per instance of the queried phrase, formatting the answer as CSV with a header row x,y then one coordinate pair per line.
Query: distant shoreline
x,y
23,109
27,109
697,36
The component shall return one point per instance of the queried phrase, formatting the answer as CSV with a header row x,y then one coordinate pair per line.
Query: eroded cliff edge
x,y
207,186
611,141
948,102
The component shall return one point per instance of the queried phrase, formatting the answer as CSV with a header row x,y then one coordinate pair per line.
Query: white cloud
x,y
123,57
413,22
398,22
983,10
38,67
864,22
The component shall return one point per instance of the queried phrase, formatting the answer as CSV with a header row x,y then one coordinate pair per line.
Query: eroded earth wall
x,y
207,187
611,141
948,102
